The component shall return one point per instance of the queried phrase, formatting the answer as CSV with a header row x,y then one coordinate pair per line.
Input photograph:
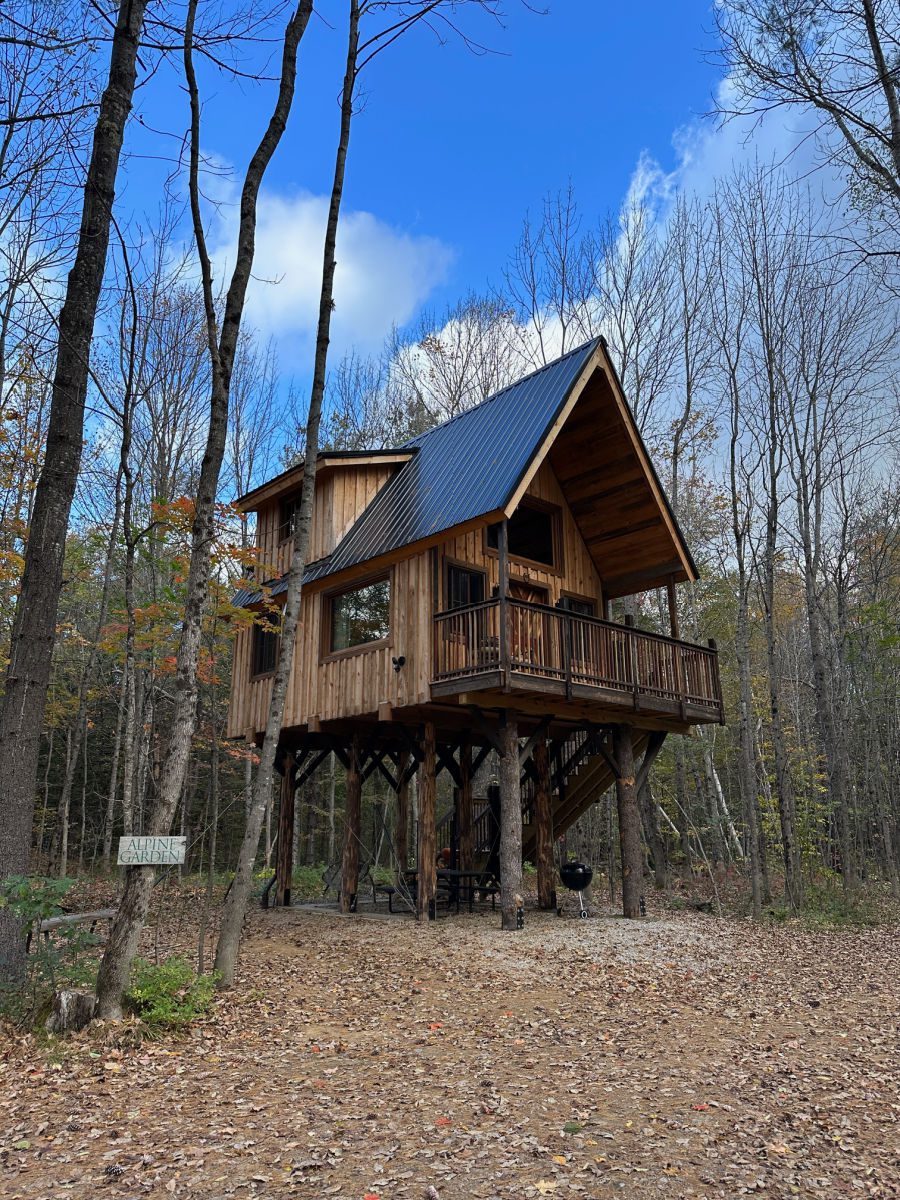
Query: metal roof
x,y
463,469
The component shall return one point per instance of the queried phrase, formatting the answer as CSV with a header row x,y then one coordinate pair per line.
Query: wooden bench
x,y
48,925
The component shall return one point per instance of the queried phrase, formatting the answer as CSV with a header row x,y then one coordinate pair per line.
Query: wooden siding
x,y
341,496
327,688
579,575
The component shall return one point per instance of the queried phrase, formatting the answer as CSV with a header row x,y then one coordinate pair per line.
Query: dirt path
x,y
677,1057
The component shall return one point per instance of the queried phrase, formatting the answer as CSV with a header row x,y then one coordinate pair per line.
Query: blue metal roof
x,y
464,469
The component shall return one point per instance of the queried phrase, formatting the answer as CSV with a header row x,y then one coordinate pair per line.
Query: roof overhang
x,y
327,462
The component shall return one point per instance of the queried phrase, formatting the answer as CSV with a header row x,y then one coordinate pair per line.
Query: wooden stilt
x,y
402,838
544,828
464,814
629,820
352,818
284,861
427,857
510,826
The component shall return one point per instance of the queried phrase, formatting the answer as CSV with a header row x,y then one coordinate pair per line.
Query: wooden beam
x,y
284,861
629,821
464,810
543,816
654,745
488,734
539,734
510,826
402,838
427,856
352,818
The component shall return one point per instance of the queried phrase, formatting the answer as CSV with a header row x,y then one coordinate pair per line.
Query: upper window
x,y
287,517
360,615
464,586
264,648
532,533
576,604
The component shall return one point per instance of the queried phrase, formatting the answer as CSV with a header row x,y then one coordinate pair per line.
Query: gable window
x,y
464,586
360,615
263,648
579,605
532,534
287,517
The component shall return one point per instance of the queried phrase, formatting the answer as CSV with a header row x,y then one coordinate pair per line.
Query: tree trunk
x,y
543,815
352,830
655,840
115,966
34,626
629,820
284,862
510,824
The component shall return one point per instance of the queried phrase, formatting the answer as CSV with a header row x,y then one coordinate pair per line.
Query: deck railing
x,y
574,651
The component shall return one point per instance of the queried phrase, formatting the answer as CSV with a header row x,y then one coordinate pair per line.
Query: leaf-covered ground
x,y
681,1056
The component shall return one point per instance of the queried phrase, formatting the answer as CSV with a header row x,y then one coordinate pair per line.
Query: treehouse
x,y
456,602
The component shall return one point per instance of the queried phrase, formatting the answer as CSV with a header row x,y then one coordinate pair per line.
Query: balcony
x,y
514,646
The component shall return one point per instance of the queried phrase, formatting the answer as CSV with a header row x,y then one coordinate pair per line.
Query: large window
x,y
360,615
287,517
464,586
580,605
264,648
532,534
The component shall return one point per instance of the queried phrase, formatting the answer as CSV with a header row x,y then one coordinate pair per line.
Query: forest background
x,y
749,297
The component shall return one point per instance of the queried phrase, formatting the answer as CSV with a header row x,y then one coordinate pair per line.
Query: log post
x,y
543,816
629,820
673,608
402,838
352,828
284,861
427,859
510,824
464,813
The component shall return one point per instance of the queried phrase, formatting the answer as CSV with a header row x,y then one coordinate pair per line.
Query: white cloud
x,y
383,275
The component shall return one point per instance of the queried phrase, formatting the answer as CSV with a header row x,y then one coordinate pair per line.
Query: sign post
x,y
151,851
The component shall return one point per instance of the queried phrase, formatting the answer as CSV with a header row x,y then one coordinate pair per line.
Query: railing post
x,y
568,651
503,591
632,657
717,679
679,677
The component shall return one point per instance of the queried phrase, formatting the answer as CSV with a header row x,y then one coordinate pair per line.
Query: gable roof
x,y
466,468
478,464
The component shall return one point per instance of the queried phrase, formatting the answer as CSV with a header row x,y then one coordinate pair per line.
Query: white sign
x,y
151,851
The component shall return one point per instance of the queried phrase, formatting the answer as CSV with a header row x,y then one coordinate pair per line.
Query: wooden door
x,y
528,635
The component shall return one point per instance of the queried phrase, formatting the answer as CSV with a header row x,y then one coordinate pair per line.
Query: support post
x,y
352,818
427,859
510,825
402,838
503,592
284,862
464,814
629,820
673,609
544,828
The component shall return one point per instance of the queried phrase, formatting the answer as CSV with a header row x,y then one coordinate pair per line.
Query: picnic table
x,y
460,885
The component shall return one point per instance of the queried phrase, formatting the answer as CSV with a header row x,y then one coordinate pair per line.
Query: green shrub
x,y
53,963
168,995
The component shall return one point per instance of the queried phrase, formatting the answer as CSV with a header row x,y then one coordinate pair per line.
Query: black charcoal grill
x,y
577,877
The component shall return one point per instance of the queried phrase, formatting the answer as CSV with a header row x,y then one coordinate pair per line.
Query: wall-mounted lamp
x,y
399,662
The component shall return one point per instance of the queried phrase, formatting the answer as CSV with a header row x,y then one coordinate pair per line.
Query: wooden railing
x,y
568,649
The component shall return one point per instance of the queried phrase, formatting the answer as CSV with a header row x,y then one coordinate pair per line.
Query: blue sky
x,y
451,150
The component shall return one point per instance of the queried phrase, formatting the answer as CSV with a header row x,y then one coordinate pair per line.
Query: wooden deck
x,y
516,646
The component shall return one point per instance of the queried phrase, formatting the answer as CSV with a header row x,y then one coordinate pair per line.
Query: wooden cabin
x,y
457,601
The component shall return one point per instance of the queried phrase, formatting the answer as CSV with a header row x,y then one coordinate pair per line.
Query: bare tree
x,y
28,673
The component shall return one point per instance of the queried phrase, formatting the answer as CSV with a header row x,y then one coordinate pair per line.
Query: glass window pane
x,y
361,616
530,534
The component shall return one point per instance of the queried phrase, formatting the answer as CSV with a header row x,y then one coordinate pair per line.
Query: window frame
x,y
258,630
472,569
565,594
292,501
555,512
326,653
